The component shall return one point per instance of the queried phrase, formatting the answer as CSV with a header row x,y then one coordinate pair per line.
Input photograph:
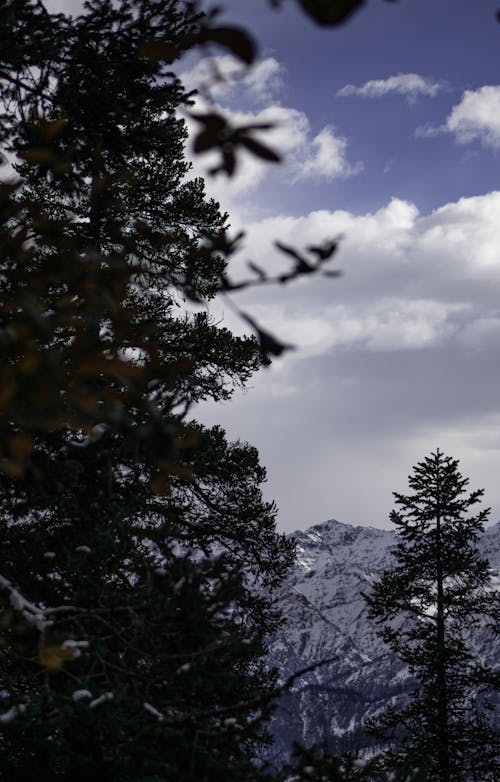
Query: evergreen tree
x,y
431,604
144,657
102,230
138,557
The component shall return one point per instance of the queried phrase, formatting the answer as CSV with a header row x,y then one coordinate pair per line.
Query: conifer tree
x,y
138,556
133,632
431,605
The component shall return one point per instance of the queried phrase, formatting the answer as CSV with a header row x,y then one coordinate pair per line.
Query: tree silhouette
x,y
430,607
139,557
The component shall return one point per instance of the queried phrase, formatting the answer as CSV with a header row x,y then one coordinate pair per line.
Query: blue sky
x,y
400,355
444,40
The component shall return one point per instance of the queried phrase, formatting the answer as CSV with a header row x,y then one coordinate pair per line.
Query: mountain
x,y
326,618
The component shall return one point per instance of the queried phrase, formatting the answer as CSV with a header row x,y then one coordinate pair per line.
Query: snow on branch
x,y
151,709
32,614
11,714
106,696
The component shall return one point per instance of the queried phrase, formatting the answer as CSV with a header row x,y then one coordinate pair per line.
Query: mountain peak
x,y
326,617
333,541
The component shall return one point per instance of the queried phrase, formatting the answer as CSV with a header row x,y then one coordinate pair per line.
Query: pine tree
x,y
138,556
431,605
146,657
102,230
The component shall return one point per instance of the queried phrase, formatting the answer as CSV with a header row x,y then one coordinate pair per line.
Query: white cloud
x,y
429,130
410,281
399,356
326,158
477,117
389,325
288,135
410,325
265,78
304,155
221,76
411,85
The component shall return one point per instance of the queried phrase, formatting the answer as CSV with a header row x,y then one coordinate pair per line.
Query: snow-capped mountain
x,y
327,619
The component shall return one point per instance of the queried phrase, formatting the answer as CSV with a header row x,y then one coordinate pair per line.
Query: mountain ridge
x,y
326,617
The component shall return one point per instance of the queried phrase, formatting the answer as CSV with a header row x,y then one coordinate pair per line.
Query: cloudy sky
x,y
390,127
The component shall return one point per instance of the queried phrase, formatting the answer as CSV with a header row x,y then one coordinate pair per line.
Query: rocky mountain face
x,y
327,619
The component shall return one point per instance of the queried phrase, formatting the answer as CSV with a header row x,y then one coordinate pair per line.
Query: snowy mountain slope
x,y
326,617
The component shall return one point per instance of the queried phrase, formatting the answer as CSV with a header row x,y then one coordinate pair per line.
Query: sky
x,y
390,130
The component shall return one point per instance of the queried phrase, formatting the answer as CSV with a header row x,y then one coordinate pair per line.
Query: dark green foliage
x,y
103,210
317,764
138,556
431,606
169,612
103,234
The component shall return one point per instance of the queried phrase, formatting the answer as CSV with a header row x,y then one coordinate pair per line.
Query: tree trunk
x,y
443,752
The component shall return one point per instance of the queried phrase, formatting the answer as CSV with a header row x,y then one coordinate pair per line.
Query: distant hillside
x,y
326,617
